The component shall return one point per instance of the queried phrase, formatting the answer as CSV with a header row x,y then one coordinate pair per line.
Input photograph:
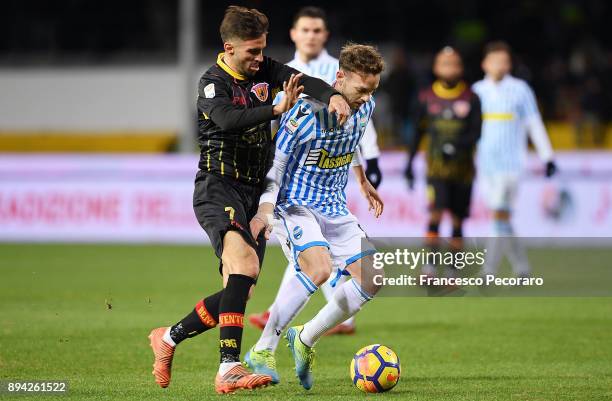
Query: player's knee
x,y
316,263
241,260
251,291
319,271
374,281
369,278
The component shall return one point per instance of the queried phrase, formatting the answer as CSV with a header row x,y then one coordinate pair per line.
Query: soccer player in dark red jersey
x,y
450,113
235,109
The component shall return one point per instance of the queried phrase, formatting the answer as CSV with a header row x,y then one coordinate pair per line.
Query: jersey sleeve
x,y
296,127
528,105
535,126
315,87
216,103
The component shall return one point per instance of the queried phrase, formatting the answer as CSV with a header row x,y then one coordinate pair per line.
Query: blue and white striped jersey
x,y
318,155
508,108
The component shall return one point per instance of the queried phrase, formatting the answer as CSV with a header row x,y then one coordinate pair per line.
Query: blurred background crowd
x,y
562,48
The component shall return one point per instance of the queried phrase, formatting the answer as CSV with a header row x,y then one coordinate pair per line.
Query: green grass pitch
x,y
82,313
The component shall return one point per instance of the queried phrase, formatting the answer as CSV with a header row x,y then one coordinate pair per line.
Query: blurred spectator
x,y
587,62
400,86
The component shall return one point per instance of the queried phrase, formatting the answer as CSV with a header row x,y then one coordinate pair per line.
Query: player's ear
x,y
292,34
228,48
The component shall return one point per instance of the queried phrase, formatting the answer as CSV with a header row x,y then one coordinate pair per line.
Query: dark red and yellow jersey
x,y
234,117
452,118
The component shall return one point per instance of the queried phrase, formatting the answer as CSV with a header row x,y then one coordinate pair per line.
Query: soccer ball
x,y
375,368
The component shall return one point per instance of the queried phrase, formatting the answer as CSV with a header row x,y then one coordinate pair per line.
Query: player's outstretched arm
x,y
263,219
216,103
316,88
537,131
368,191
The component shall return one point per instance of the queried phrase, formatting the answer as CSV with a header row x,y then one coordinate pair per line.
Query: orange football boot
x,y
239,378
164,353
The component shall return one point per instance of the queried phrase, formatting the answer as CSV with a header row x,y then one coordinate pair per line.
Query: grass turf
x,y
82,313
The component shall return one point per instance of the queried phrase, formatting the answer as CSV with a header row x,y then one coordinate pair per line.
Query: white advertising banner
x,y
134,198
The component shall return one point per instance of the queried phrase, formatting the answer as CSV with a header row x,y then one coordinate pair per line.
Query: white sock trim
x,y
307,282
167,339
224,367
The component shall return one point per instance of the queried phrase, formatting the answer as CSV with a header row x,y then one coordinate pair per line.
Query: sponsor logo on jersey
x,y
302,111
322,159
260,91
330,130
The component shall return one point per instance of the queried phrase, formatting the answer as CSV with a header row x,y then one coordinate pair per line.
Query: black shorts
x,y
454,196
221,204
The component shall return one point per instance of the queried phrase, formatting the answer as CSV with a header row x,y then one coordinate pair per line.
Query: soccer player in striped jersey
x,y
509,113
314,226
310,33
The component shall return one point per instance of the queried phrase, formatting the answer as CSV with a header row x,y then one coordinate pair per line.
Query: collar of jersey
x,y
448,93
501,81
323,55
227,69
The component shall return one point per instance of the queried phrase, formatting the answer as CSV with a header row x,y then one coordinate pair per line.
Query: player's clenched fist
x,y
292,91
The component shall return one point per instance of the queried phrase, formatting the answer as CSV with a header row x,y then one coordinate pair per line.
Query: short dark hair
x,y
311,12
362,59
497,46
243,23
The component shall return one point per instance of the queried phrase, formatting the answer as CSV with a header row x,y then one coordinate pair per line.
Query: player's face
x,y
497,64
448,67
245,55
309,35
356,88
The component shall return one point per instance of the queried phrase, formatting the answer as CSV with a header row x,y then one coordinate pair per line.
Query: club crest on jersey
x,y
260,90
461,108
297,232
322,159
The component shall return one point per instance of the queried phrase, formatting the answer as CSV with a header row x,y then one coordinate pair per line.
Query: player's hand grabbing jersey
x,y
325,67
234,117
313,156
452,119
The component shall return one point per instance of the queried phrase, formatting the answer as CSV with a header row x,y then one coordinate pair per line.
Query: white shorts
x,y
299,228
500,190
